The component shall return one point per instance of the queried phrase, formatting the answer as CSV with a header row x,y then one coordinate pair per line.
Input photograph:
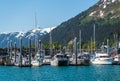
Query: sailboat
x,y
22,61
39,56
38,59
101,57
47,59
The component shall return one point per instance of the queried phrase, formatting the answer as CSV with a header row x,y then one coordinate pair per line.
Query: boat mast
x,y
15,51
50,42
60,49
35,35
35,21
29,46
80,41
75,49
10,49
107,46
91,45
20,51
94,39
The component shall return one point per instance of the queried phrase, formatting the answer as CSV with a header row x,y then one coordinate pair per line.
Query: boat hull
x,y
80,62
35,63
102,62
59,63
116,63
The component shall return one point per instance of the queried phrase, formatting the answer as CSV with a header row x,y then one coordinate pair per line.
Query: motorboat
x,y
116,60
102,58
59,60
47,60
82,59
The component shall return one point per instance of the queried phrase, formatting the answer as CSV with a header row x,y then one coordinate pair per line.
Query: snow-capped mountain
x,y
5,37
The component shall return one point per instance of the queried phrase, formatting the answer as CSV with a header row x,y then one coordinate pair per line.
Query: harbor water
x,y
64,73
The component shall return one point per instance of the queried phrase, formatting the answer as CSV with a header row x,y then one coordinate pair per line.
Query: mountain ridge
x,y
15,36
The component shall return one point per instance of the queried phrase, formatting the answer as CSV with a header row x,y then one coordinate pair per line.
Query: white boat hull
x,y
101,62
35,63
106,61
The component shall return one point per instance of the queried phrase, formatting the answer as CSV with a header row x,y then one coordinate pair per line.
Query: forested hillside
x,y
105,15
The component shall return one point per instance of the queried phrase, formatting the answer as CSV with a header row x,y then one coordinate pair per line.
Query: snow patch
x,y
92,13
36,29
20,34
47,29
101,13
107,2
32,34
113,1
104,6
4,32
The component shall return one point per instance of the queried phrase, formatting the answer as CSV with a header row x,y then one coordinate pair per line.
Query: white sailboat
x,y
38,59
102,57
47,59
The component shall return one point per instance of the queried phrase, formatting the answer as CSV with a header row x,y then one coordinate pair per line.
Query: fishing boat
x,y
59,60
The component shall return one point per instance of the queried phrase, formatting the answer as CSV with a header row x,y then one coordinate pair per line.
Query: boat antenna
x,y
36,38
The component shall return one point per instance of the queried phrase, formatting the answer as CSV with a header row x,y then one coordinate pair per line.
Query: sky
x,y
19,15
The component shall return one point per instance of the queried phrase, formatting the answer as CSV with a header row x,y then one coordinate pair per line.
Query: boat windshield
x,y
104,56
59,56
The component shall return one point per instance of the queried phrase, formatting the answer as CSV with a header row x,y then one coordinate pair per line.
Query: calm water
x,y
69,73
